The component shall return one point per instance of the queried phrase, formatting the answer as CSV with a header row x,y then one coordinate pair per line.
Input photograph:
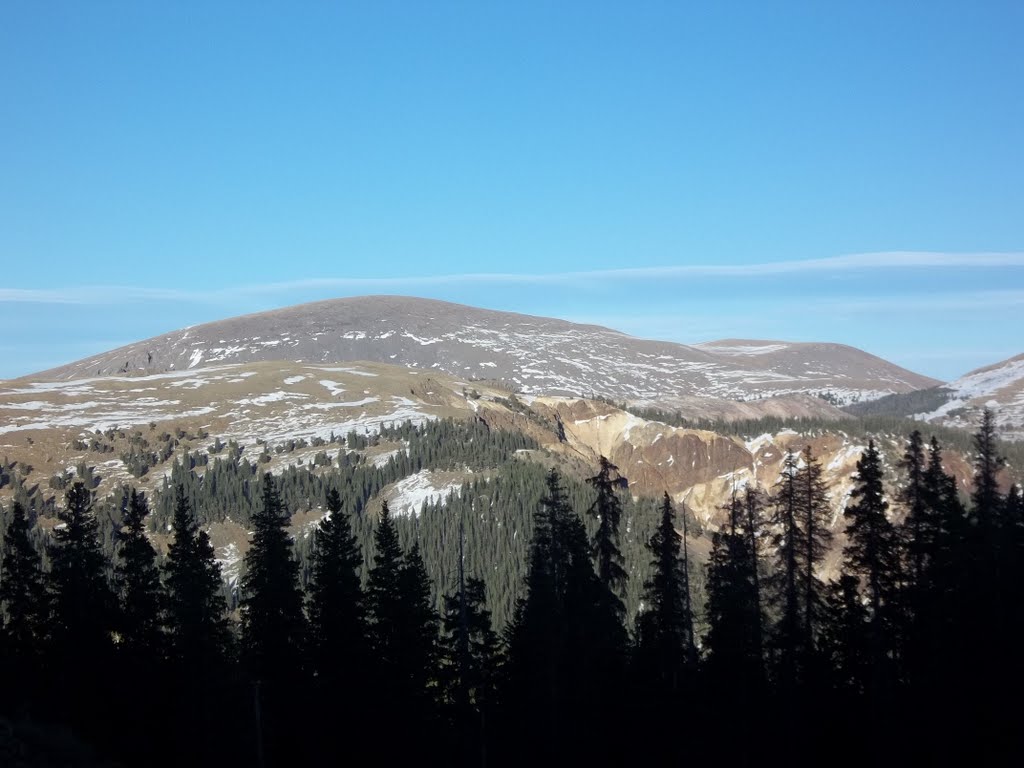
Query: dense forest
x,y
529,617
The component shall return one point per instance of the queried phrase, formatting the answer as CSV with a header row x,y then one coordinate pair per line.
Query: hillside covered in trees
x,y
528,616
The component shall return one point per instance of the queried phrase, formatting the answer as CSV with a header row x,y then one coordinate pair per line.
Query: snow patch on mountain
x,y
408,495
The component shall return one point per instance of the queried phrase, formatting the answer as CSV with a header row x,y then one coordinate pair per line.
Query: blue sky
x,y
673,170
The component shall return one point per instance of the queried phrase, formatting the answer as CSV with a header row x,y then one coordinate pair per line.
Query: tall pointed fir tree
x,y
335,604
560,639
83,610
337,617
814,518
607,510
403,634
872,554
419,629
666,648
918,530
785,581
273,632
23,614
141,637
199,636
139,590
470,655
733,640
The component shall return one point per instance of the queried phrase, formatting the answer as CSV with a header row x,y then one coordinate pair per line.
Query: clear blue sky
x,y
164,164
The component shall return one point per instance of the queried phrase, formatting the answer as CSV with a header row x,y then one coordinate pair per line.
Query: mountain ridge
x,y
536,355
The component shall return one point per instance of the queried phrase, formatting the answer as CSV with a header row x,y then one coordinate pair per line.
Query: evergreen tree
x,y
786,592
845,643
273,631
140,593
273,625
83,609
665,628
469,650
872,555
23,612
383,602
733,611
403,634
814,516
918,532
335,604
419,627
565,643
607,510
141,637
986,500
199,636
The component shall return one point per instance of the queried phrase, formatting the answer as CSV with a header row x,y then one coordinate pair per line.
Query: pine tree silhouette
x,y
273,631
24,613
872,554
83,611
666,647
607,510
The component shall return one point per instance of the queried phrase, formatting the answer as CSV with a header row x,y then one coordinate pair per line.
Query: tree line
x,y
907,653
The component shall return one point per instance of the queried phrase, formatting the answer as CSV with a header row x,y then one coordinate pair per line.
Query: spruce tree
x,y
419,628
814,516
382,594
607,510
23,612
845,644
335,603
273,625
733,639
918,531
786,593
273,630
139,590
665,628
986,500
403,635
469,649
872,555
199,636
83,609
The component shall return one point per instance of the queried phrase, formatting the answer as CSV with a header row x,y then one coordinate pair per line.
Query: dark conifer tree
x,y
23,612
419,629
786,593
139,590
469,655
986,500
273,631
335,604
607,510
665,628
814,517
199,641
918,532
733,611
383,596
844,640
273,625
141,638
403,634
872,555
199,636
83,610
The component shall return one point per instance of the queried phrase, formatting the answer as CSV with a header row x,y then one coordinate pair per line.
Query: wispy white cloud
x,y
861,262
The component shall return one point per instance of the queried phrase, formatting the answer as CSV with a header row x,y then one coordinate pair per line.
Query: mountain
x,y
999,386
534,355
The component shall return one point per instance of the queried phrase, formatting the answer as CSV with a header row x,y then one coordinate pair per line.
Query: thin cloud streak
x,y
110,294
